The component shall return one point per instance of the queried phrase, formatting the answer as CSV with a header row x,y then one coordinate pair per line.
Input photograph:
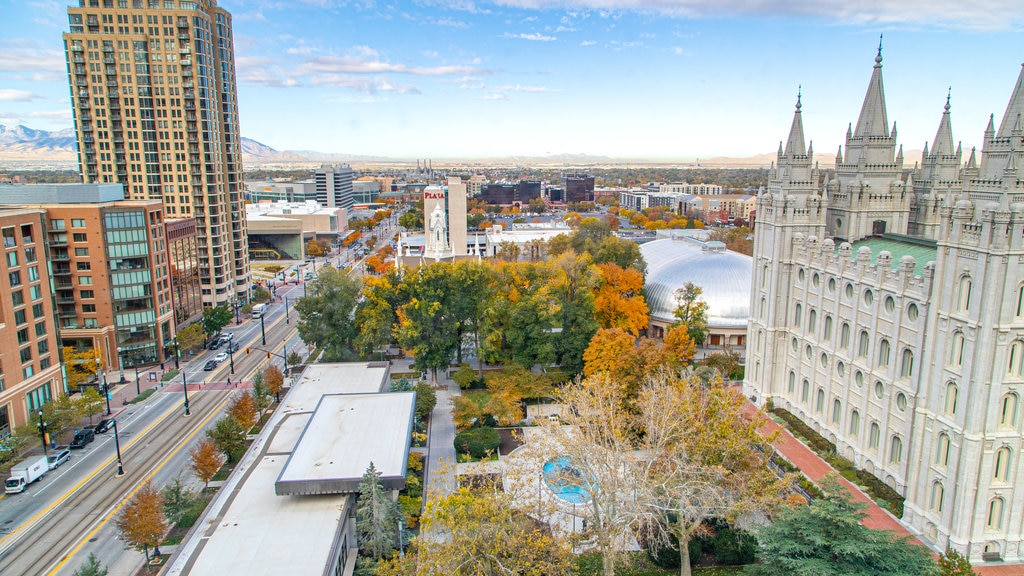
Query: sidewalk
x,y
877,518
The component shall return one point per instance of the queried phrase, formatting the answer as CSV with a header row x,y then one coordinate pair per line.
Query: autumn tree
x,y
510,388
191,337
375,314
90,403
206,460
80,365
315,247
692,311
953,563
738,239
242,408
508,251
273,380
827,537
141,522
377,516
427,325
619,301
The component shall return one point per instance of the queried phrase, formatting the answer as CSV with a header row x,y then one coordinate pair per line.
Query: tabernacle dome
x,y
724,276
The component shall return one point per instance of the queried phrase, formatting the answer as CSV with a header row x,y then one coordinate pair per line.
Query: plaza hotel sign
x,y
430,194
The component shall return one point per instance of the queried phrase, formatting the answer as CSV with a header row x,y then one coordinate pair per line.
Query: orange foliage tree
x,y
243,409
619,300
273,379
206,460
142,522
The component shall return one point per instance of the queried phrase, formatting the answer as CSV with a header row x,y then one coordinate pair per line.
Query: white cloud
x,y
518,88
12,95
355,65
18,55
495,96
536,36
588,43
50,114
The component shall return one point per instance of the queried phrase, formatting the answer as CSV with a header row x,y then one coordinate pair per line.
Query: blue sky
x,y
658,79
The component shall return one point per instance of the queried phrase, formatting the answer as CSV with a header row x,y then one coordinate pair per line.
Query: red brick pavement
x,y
815,469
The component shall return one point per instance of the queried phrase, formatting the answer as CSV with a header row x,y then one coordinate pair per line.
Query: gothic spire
x,y
795,144
1014,108
943,145
873,120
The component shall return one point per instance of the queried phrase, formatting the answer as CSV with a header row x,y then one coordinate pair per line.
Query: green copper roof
x,y
923,251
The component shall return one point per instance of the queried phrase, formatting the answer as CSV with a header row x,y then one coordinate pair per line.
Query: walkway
x,y
815,469
440,476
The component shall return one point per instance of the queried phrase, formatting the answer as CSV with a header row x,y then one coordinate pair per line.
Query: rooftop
x,y
923,251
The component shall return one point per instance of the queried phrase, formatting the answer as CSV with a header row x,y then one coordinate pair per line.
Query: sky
x,y
641,79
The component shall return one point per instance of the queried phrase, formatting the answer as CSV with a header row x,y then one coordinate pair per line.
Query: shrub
x,y
477,442
411,508
733,546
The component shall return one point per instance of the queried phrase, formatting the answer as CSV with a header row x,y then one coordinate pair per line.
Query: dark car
x,y
82,437
104,425
215,344
210,365
232,347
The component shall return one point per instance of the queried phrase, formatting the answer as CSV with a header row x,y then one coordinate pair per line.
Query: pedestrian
x,y
229,380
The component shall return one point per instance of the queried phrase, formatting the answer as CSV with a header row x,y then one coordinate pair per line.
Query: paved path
x,y
815,469
440,472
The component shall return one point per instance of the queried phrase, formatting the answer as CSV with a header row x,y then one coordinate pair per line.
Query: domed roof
x,y
723,275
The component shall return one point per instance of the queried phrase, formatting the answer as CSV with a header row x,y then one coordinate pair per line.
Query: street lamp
x,y
231,353
184,385
287,319
106,388
263,329
177,353
238,309
117,445
42,431
120,366
135,364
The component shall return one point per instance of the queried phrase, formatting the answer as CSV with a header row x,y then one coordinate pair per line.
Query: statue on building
x,y
438,231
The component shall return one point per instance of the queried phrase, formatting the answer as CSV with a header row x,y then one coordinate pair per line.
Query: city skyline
x,y
628,79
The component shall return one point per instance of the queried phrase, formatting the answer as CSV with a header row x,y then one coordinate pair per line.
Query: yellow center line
x,y
129,496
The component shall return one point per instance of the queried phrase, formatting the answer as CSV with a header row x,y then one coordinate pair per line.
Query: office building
x,y
182,257
887,312
155,106
579,188
334,186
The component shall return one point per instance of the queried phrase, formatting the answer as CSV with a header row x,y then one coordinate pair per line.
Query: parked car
x,y
221,357
232,347
104,425
83,437
215,344
226,336
210,365
57,458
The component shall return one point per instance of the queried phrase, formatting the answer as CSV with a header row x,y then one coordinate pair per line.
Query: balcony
x,y
77,48
115,106
186,62
81,82
67,313
65,284
78,60
84,117
185,51
109,60
108,49
84,104
182,22
80,70
186,73
183,37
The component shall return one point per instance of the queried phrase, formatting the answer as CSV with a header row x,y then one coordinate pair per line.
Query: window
x,y
30,255
805,390
849,291
800,275
1020,301
1008,410
81,251
816,279
43,347
863,343
995,514
12,259
792,382
819,401
17,298
40,329
37,310
831,285
78,223
808,352
1002,465
85,280
907,364
33,273
883,352
812,321
873,436
951,394
942,450
798,315
57,225
956,353
1016,364
879,389
896,450
88,308
858,377
912,312
19,317
26,355
854,423
827,333
23,336
837,413
890,304
901,401
9,239
844,336
937,494
14,278
840,369
83,266
79,237
963,296
869,297
44,363
35,292
86,294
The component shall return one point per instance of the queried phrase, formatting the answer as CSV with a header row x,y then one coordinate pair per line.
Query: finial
x,y
799,94
878,58
948,93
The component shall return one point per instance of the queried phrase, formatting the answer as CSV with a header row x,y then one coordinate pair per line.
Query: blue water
x,y
566,481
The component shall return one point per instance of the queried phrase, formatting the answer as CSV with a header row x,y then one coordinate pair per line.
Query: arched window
x,y
995,514
951,393
819,401
862,345
1015,366
798,315
942,450
837,411
805,390
1008,410
764,276
844,336
873,435
937,494
812,321
956,353
1020,301
883,352
896,450
792,382
854,423
963,296
907,364
1002,465
761,309
828,328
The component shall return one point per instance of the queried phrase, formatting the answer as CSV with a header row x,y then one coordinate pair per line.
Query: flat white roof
x,y
341,378
345,434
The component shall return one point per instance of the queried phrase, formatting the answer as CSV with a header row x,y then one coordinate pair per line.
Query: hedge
x,y
477,442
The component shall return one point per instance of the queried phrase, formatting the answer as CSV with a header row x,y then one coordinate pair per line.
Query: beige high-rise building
x,y
155,104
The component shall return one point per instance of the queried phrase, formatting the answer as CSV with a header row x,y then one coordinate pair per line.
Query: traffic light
x,y
246,349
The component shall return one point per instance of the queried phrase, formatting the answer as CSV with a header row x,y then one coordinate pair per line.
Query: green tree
x,y
519,318
92,567
377,516
177,499
61,414
411,219
574,283
472,283
191,337
827,537
623,253
229,436
325,313
426,399
953,563
90,403
427,325
215,319
464,376
692,311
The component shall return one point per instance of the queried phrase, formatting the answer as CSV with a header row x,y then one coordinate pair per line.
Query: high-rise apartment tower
x,y
155,104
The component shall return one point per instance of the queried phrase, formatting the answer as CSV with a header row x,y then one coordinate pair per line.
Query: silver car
x,y
57,458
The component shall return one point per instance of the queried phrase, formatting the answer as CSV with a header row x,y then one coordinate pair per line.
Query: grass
x,y
479,397
141,397
638,564
169,375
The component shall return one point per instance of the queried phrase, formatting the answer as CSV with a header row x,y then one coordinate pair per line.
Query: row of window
x,y
863,345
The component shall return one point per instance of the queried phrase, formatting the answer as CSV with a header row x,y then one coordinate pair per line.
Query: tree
x,y
229,436
92,567
510,388
141,522
242,408
827,537
377,516
953,563
315,248
326,313
191,337
427,324
216,318
426,399
411,219
609,351
573,283
508,251
375,314
206,460
619,301
464,376
80,365
260,394
61,414
273,379
737,239
726,362
692,311
90,403
294,359
623,253
177,500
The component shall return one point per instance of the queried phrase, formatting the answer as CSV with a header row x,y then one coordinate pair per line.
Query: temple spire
x,y
795,143
1014,108
873,120
943,144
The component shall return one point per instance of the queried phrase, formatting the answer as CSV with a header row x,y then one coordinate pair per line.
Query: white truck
x,y
258,310
26,473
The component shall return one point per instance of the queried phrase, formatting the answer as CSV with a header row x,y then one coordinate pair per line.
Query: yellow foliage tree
x,y
81,365
142,522
619,300
243,409
206,460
